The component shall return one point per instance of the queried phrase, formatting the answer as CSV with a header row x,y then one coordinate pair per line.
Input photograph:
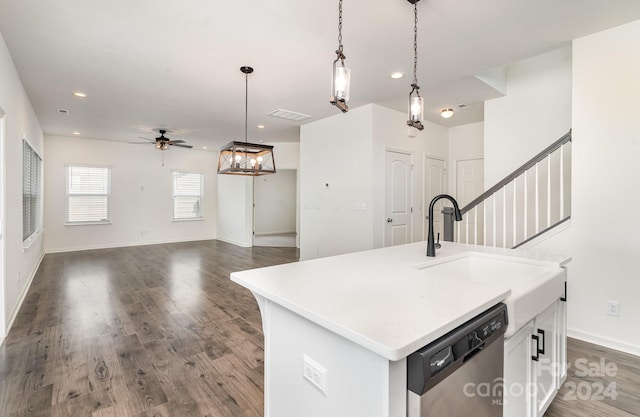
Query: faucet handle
x,y
438,245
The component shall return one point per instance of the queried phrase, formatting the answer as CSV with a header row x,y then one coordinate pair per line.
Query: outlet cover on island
x,y
315,373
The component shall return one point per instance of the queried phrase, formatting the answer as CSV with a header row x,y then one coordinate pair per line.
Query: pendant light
x,y
416,103
244,158
341,77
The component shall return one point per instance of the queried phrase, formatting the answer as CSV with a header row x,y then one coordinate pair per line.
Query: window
x,y
88,189
187,195
31,192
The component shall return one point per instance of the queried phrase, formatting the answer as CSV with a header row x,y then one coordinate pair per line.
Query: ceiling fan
x,y
163,143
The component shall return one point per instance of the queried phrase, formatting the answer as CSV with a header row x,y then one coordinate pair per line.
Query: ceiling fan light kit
x,y
162,142
244,158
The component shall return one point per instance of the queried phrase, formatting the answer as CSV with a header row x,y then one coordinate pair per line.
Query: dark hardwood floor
x,y
600,382
161,331
147,331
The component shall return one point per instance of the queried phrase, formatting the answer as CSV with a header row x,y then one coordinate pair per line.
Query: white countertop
x,y
384,299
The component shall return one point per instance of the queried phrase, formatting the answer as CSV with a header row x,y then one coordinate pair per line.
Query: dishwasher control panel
x,y
482,333
428,366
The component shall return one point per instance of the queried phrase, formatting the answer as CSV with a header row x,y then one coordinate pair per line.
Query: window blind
x,y
88,190
31,191
187,195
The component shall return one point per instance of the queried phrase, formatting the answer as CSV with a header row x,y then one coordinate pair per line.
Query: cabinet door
x,y
518,374
546,367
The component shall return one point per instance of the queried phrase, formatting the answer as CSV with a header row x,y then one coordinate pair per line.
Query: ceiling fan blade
x,y
176,141
150,140
182,146
139,143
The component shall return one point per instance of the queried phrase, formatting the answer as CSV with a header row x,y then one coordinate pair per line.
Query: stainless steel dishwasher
x,y
461,373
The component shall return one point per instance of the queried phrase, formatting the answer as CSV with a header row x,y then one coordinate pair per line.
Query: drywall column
x,y
235,209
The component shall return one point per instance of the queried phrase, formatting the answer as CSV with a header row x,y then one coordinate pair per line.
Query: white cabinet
x,y
545,365
518,371
535,363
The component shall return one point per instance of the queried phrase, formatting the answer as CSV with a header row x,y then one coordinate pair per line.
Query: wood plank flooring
x,y
161,331
600,382
148,331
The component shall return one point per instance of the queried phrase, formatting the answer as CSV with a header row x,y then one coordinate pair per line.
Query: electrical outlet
x,y
613,308
315,373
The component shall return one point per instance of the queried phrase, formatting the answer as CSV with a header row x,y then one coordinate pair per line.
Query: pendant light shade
x,y
341,76
416,103
244,158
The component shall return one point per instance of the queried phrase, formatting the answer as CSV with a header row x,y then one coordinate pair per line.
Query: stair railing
x,y
531,200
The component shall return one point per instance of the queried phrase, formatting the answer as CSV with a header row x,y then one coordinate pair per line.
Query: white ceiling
x,y
175,64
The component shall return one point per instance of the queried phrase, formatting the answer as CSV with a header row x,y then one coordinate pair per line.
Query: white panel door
x,y
398,210
469,185
435,179
469,180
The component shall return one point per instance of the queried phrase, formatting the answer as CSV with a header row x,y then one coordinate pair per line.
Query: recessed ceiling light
x,y
80,94
204,147
260,126
396,75
76,133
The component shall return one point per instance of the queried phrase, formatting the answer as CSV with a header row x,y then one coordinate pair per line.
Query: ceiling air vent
x,y
289,115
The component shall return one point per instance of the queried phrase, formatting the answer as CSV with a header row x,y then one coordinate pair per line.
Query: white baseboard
x,y
605,341
14,313
233,242
275,233
126,245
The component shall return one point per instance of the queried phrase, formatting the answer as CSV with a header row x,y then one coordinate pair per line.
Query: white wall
x,y
534,113
391,132
465,142
20,121
235,198
338,151
604,237
347,151
275,202
141,201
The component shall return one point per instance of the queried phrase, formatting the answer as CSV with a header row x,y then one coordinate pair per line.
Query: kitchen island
x,y
338,329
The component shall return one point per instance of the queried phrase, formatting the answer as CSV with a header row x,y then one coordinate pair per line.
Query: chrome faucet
x,y
431,246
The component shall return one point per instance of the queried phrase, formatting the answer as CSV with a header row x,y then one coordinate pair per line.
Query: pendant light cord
x,y
415,44
340,48
246,104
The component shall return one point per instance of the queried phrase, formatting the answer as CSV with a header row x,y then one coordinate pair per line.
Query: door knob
x,y
389,219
